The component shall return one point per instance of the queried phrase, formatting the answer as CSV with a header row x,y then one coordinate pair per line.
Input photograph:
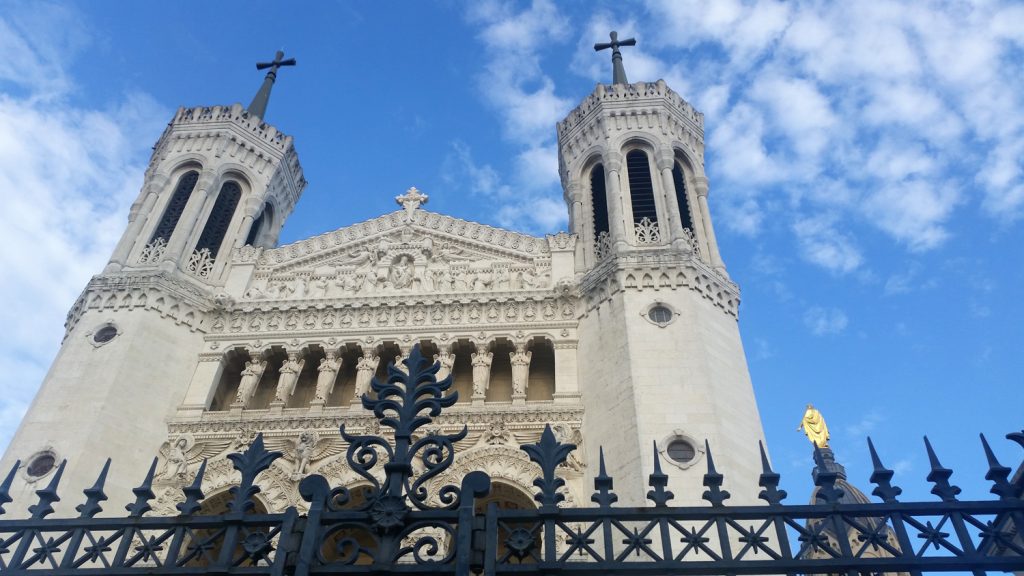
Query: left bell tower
x,y
220,178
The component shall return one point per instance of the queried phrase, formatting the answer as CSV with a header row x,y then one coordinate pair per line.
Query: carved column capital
x,y
701,185
665,158
612,161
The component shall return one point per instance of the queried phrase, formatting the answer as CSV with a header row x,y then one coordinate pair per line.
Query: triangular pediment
x,y
403,252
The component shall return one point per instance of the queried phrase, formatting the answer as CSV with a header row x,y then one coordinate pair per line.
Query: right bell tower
x,y
661,363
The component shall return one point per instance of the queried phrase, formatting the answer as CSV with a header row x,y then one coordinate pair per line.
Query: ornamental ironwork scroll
x,y
400,519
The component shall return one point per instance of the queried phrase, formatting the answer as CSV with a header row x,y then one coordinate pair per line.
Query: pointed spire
x,y
604,497
143,494
618,71
48,495
769,480
5,488
658,480
258,106
998,474
713,481
939,476
193,493
94,495
881,476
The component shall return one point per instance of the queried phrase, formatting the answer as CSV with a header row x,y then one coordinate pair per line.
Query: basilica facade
x,y
201,332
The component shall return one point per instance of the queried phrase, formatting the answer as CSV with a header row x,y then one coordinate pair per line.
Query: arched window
x,y
220,217
641,189
176,206
685,214
599,201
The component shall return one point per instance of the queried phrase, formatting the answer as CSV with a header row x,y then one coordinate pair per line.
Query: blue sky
x,y
866,163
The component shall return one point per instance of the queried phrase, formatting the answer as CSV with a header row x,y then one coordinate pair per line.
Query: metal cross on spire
x,y
258,107
618,72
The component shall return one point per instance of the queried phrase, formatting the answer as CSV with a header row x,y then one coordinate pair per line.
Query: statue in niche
x,y
481,372
447,360
402,272
251,375
365,369
289,375
520,370
328,375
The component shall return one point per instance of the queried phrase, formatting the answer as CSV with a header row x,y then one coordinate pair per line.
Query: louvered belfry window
x,y
176,206
685,214
641,189
220,217
599,200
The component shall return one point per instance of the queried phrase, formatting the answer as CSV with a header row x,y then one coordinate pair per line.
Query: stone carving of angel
x,y
183,451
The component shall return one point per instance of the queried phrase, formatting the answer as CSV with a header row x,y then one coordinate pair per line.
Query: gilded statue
x,y
813,425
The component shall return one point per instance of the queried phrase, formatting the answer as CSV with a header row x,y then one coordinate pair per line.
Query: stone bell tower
x,y
661,364
220,179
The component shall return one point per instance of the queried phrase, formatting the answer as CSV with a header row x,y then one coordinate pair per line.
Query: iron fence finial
x,y
5,488
713,481
193,493
769,480
94,495
881,477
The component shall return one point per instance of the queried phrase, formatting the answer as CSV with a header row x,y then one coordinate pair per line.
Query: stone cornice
x,y
659,269
531,415
167,294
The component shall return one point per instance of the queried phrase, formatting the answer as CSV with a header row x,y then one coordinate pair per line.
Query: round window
x,y
41,465
681,451
105,334
659,314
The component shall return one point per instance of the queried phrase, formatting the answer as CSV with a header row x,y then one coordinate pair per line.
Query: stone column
x,y
666,161
252,209
574,195
187,223
138,215
715,259
325,380
366,367
617,226
520,372
251,375
289,376
481,375
567,384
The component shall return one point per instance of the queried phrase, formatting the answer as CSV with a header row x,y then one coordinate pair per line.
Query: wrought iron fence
x,y
404,522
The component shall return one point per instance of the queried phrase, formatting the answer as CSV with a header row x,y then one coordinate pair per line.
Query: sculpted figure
x,y
520,370
251,375
447,360
177,461
503,280
365,369
481,373
328,374
289,371
402,272
304,451
813,425
318,288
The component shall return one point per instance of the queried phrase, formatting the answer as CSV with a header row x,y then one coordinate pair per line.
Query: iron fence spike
x,y
47,496
143,493
658,481
713,481
939,476
997,474
5,487
193,493
603,484
881,477
769,480
94,495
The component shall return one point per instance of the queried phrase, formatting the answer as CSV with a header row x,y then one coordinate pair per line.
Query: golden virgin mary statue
x,y
813,424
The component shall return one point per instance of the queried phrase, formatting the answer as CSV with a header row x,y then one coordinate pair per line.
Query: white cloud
x,y
823,321
68,175
821,244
